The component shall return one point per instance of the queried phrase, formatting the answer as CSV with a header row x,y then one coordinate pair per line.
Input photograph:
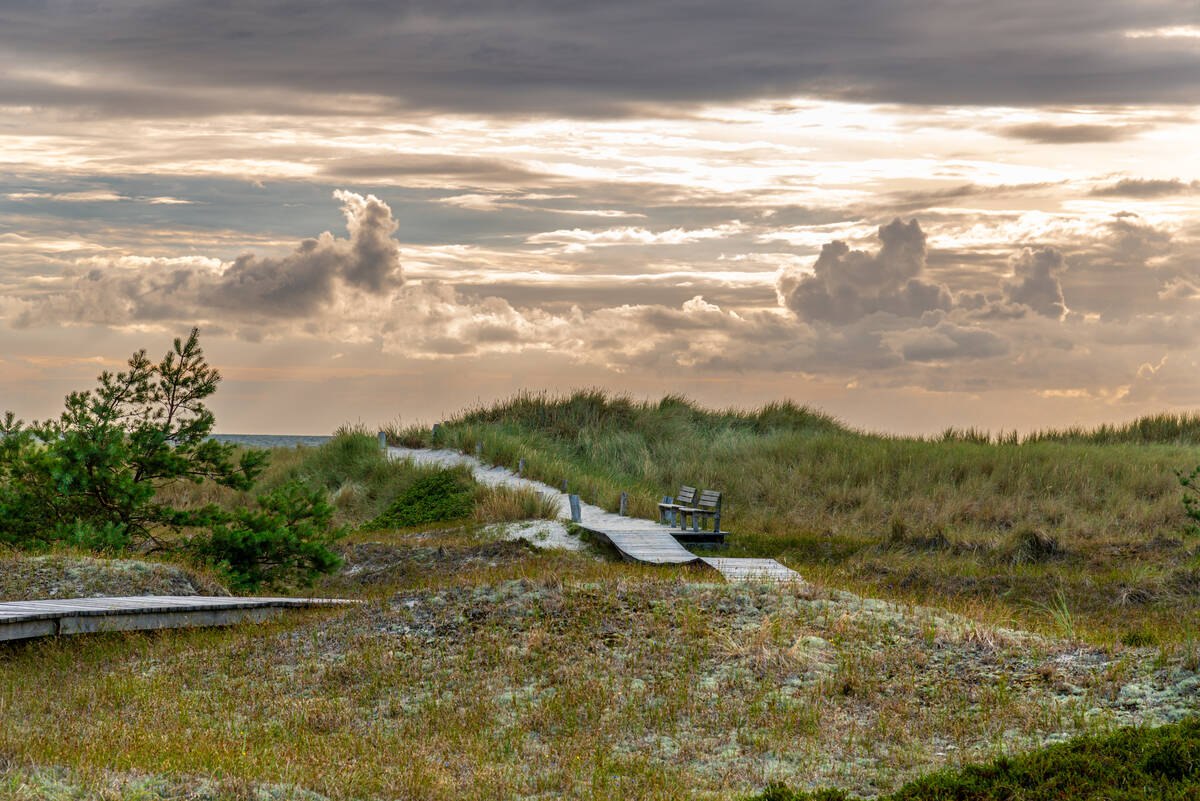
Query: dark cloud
x,y
1145,188
585,59
949,342
462,168
296,285
919,200
846,285
1035,281
1121,273
1049,134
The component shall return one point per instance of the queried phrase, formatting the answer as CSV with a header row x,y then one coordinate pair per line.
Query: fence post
x,y
624,503
478,448
434,433
576,512
382,441
521,466
564,485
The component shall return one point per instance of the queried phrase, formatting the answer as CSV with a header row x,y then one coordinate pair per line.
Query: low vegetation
x,y
1055,657
1069,532
554,674
78,575
1159,764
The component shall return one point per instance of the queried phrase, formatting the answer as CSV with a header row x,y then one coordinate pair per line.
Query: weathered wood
x,y
624,508
38,618
708,506
668,509
576,511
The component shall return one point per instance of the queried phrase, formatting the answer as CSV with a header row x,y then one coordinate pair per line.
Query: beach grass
x,y
1087,523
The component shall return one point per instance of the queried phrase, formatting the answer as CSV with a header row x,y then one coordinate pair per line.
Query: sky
x,y
910,214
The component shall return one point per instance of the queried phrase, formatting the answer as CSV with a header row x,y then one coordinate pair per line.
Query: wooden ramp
x,y
22,619
635,539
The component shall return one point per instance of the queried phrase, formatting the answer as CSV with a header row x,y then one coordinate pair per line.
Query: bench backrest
x,y
710,499
686,496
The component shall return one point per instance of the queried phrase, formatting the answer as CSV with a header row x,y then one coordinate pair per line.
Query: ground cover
x,y
1138,763
560,674
68,575
1069,532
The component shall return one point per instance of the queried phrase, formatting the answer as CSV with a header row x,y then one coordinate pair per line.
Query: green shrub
x,y
92,478
285,541
434,498
1132,764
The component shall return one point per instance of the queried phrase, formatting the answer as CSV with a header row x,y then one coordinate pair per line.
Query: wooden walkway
x,y
637,540
23,619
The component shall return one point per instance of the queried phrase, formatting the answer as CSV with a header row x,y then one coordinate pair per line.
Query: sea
x,y
272,440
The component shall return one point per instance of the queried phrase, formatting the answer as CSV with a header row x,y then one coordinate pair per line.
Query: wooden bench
x,y
684,500
709,506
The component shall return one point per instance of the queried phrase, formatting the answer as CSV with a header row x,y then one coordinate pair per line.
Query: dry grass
x,y
557,675
510,504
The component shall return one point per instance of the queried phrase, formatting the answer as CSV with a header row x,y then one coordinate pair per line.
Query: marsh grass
x,y
1094,517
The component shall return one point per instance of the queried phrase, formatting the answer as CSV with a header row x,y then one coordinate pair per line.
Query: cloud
x,y
1044,133
1145,188
949,342
454,170
1035,283
295,285
587,59
846,285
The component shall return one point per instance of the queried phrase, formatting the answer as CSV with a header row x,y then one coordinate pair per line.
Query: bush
x,y
91,477
285,540
1132,764
434,498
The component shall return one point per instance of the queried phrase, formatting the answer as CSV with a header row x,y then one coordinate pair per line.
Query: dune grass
x,y
364,485
1089,524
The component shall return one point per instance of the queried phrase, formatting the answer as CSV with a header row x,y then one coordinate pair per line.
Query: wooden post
x,y
521,466
624,504
478,448
564,485
434,433
576,511
382,441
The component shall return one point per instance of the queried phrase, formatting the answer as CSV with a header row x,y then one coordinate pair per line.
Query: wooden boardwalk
x,y
635,539
23,619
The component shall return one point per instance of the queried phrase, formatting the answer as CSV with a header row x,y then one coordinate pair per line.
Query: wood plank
x,y
25,619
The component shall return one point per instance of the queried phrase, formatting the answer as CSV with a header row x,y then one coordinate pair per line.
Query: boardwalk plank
x,y
25,619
